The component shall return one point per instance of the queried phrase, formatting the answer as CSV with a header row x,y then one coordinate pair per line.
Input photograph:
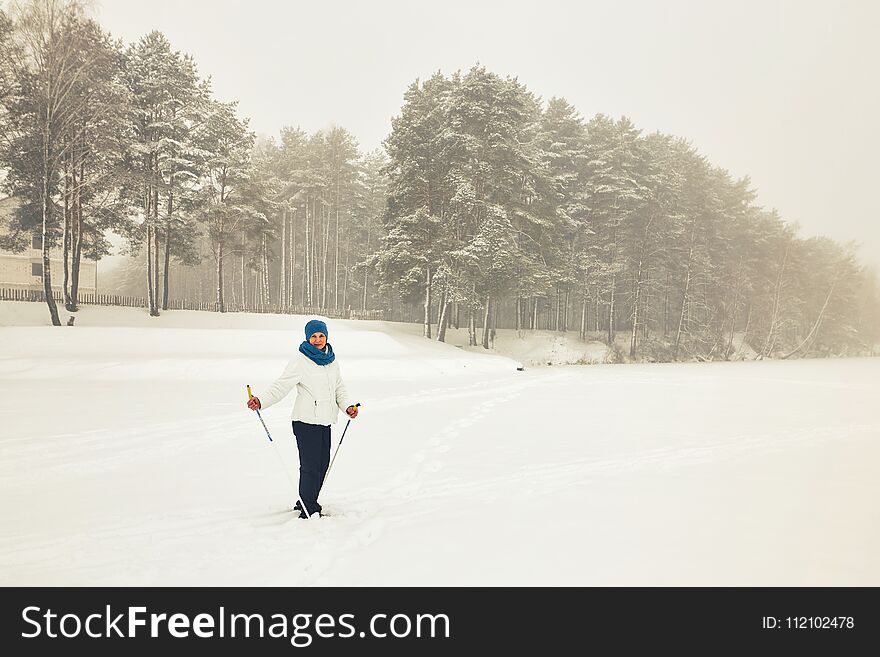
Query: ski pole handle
x,y
251,397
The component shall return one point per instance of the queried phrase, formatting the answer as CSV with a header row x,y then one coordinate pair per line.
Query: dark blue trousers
x,y
313,443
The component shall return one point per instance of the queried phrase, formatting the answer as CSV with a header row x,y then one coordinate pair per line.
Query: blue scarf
x,y
316,355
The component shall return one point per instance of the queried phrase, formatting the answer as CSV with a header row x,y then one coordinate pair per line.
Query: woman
x,y
320,395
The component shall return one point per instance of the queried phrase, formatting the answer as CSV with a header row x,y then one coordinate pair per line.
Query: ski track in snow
x,y
367,514
314,542
457,469
318,545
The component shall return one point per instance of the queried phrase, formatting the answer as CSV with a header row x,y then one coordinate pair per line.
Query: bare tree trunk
x,y
472,324
367,269
565,309
635,322
148,219
486,323
646,304
305,267
428,302
151,291
156,265
440,303
736,287
307,298
347,269
611,310
746,329
336,257
150,268
167,269
811,336
46,209
493,331
68,185
770,342
282,279
264,271
244,300
155,206
77,224
316,256
518,314
637,299
444,319
232,288
583,333
221,307
292,252
325,224
685,299
666,307
556,324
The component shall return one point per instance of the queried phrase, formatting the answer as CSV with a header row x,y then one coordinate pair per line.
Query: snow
x,y
528,347
128,457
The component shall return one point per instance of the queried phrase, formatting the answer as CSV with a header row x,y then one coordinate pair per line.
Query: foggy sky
x,y
785,92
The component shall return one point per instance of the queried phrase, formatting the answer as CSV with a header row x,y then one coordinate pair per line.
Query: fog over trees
x,y
488,208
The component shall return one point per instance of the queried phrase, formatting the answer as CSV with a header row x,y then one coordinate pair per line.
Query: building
x,y
24,271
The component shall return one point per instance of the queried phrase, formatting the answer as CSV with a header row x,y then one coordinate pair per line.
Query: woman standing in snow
x,y
319,393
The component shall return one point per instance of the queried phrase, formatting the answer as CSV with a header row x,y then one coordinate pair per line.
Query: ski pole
x,y
337,450
275,449
251,396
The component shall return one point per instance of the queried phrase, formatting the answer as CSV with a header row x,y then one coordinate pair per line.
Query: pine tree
x,y
564,230
230,195
613,195
490,143
410,252
370,197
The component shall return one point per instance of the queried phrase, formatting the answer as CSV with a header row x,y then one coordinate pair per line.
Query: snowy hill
x,y
127,457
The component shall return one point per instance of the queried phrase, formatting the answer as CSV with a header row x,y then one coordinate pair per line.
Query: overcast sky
x,y
785,92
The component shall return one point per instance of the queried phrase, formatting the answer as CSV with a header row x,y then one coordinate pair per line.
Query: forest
x,y
488,208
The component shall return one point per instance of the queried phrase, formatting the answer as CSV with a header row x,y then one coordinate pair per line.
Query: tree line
x,y
488,208
101,136
503,209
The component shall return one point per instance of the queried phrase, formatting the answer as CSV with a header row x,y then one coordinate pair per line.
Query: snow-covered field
x,y
128,457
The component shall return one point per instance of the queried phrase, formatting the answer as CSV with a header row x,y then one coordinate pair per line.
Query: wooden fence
x,y
10,294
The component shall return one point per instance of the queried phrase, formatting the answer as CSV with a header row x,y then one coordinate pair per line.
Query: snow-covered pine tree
x,y
495,170
563,227
370,194
410,251
229,199
612,194
169,105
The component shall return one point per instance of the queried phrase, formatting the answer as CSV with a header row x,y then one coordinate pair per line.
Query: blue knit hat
x,y
316,326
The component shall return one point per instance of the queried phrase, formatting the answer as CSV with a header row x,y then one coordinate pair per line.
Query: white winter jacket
x,y
320,392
